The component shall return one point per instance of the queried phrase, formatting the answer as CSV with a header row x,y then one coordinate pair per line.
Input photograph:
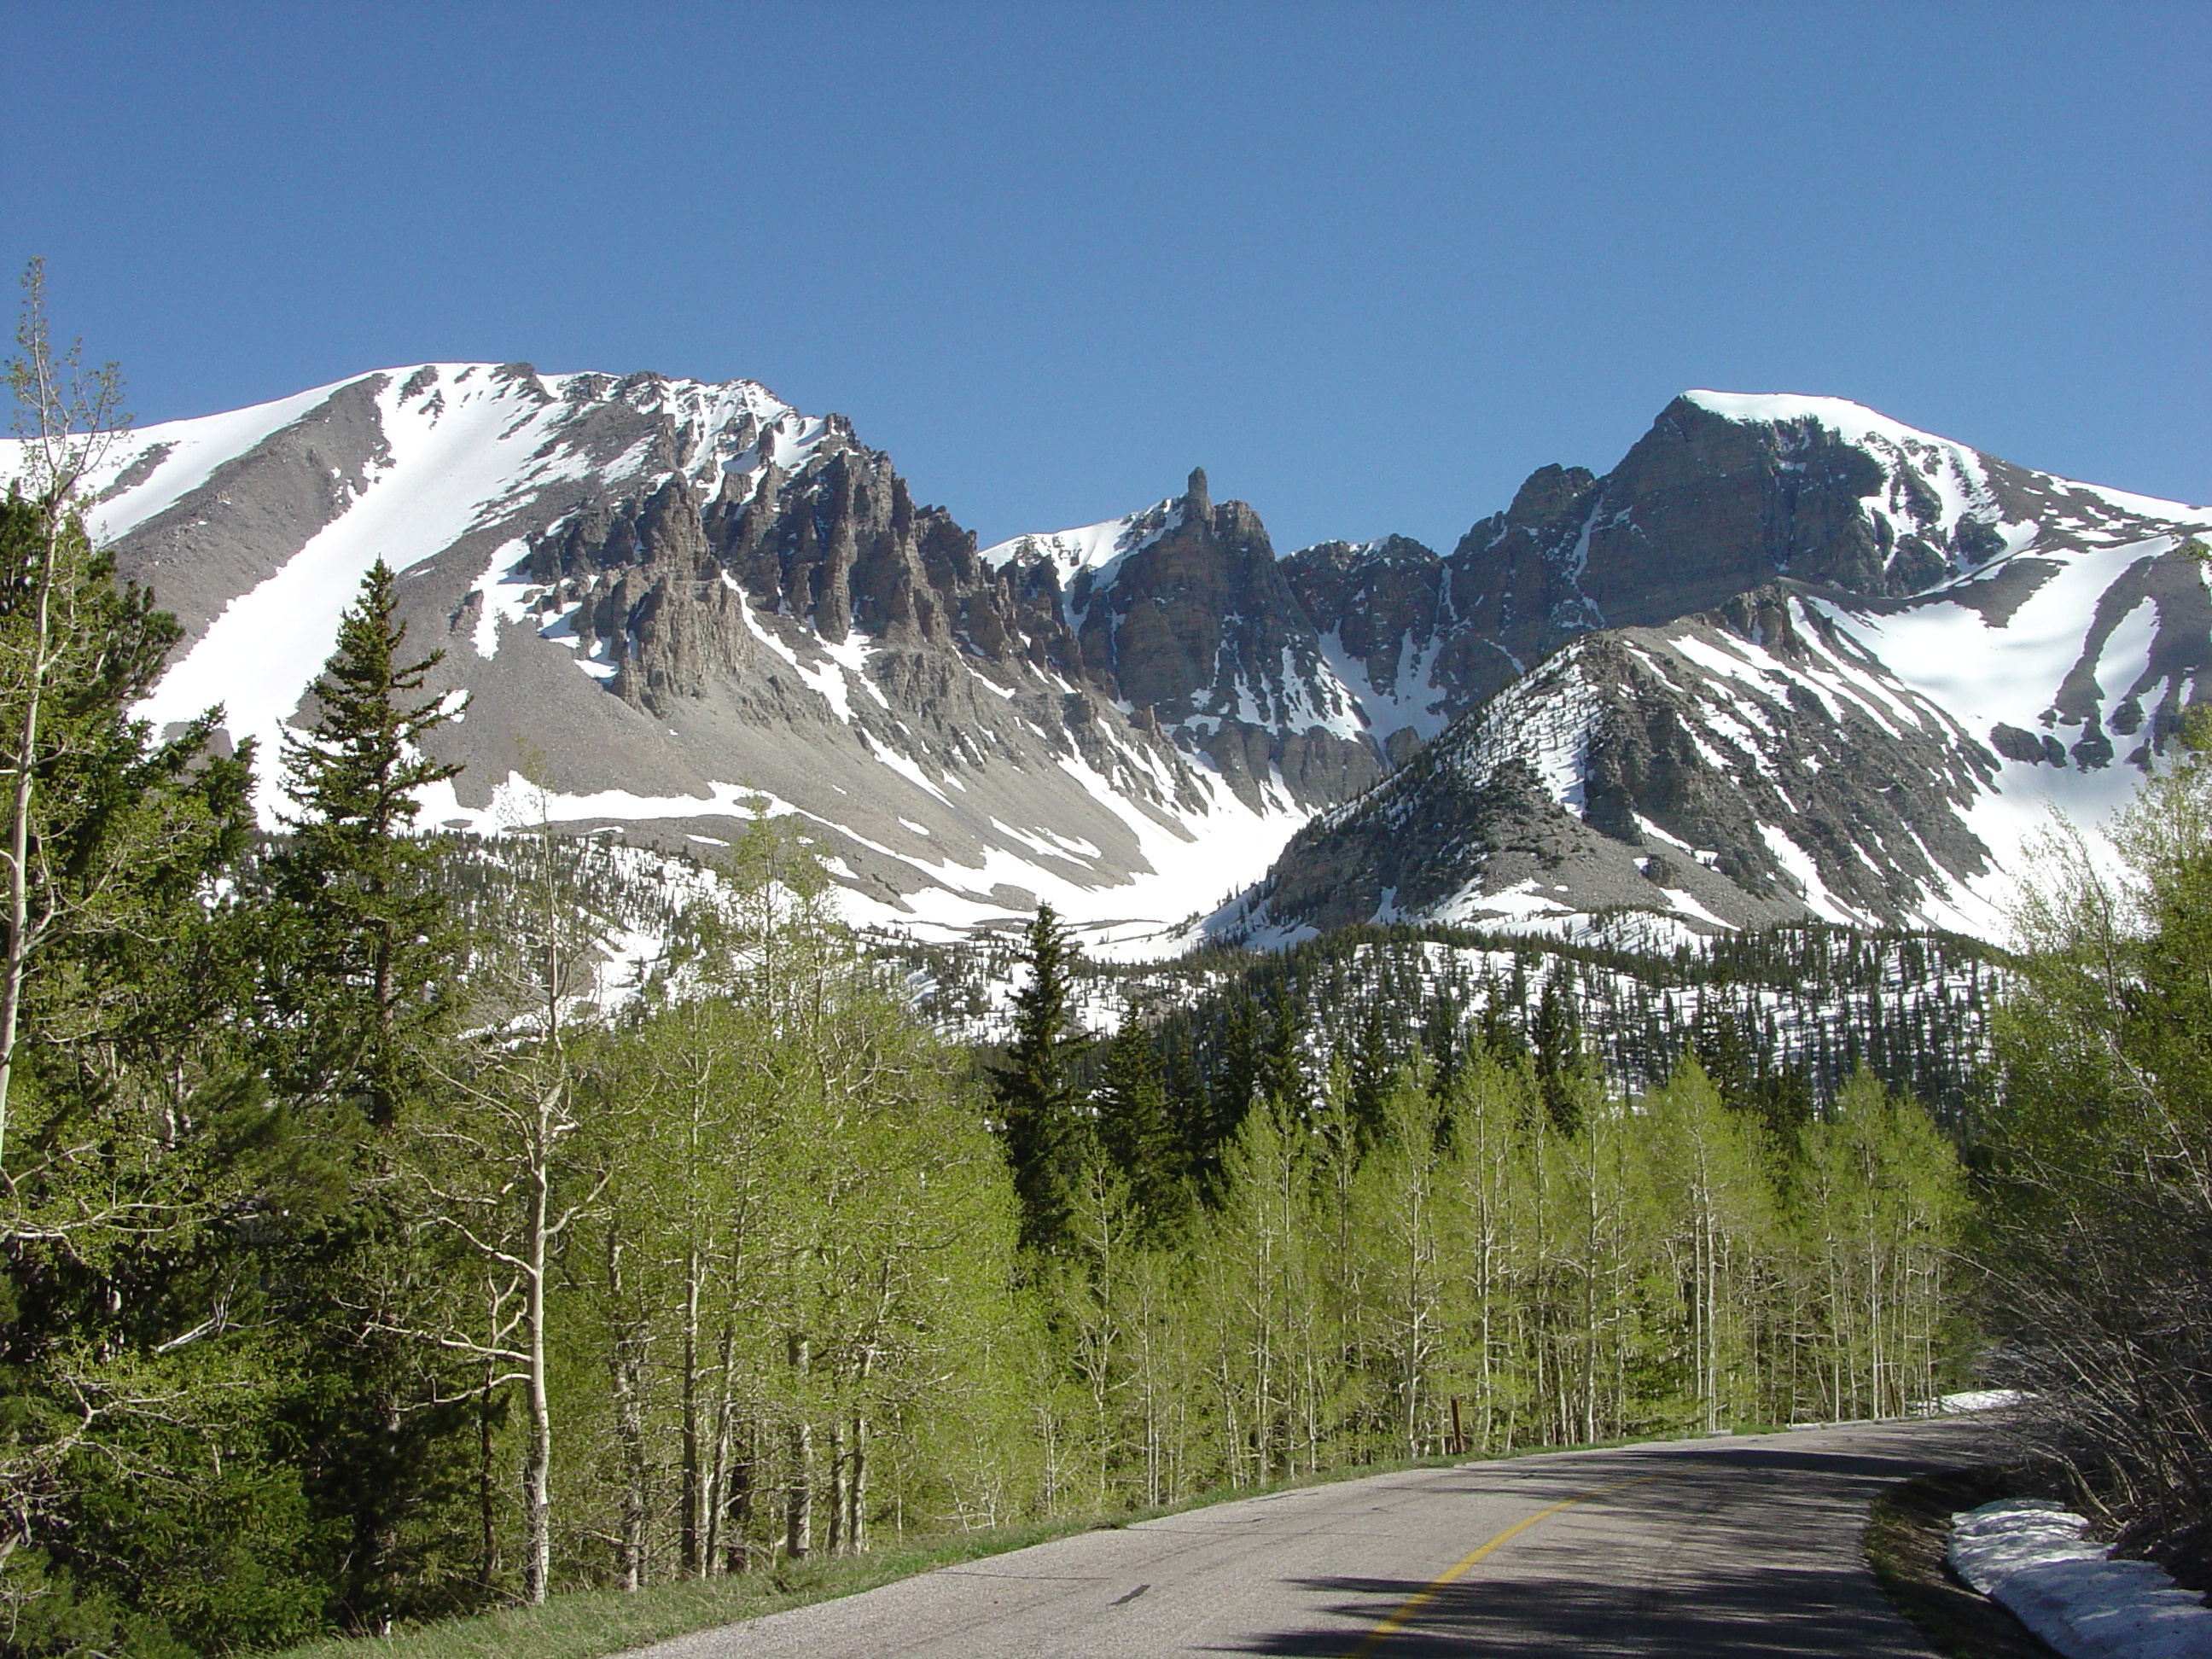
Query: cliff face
x,y
1196,630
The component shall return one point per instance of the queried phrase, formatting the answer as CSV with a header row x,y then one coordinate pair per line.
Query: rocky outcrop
x,y
1199,629
1748,765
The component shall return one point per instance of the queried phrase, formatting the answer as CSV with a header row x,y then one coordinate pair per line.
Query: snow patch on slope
x,y
183,453
1093,547
1413,699
451,461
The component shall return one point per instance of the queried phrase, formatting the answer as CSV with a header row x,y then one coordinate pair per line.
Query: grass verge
x,y
1906,1532
590,1624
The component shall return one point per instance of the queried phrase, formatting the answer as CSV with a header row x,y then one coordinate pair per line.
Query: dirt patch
x,y
1905,1535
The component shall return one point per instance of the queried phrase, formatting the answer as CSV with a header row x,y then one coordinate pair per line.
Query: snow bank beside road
x,y
2029,1555
1979,1400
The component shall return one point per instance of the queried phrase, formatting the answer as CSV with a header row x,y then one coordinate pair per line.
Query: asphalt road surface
x,y
1712,1548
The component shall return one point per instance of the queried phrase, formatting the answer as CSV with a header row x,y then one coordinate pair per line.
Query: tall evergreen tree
x,y
1227,1095
1372,1074
1495,1029
1038,1101
1134,1131
1282,1064
1559,1046
360,966
364,975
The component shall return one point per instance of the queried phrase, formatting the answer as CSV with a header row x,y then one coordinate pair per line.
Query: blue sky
x,y
1369,265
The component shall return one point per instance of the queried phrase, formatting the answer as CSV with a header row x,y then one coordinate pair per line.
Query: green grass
x,y
592,1624
588,1624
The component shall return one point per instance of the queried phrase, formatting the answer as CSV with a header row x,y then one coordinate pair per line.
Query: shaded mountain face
x,y
672,605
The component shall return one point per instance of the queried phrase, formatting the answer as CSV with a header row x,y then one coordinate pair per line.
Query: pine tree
x,y
1037,1102
135,1497
363,969
1559,1046
1228,1096
360,966
1135,1132
1372,1074
1495,1030
1282,1078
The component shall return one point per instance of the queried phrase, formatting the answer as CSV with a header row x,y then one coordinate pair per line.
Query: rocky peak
x,y
1545,495
1195,623
1724,494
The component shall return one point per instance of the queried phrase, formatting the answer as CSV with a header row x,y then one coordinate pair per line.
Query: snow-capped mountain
x,y
1724,493
671,603
1823,740
1816,661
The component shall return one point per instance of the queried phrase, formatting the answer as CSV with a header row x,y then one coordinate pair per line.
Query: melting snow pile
x,y
2029,1555
1979,1400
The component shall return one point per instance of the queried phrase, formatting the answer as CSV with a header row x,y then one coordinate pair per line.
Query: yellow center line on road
x,y
1411,1608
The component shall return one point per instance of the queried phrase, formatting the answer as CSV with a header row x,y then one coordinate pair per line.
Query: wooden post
x,y
1459,1435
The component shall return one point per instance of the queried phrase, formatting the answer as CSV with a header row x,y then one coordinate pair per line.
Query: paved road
x,y
1705,1549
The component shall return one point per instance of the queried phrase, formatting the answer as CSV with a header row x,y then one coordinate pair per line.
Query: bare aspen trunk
x,y
737,1549
856,1488
799,1502
625,1362
693,1542
25,768
487,1485
834,1544
74,418
718,1471
538,1464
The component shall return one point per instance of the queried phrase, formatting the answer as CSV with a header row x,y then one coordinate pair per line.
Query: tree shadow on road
x,y
1557,1592
1780,1614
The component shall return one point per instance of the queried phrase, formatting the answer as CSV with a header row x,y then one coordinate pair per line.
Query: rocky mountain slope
x,y
669,604
1804,749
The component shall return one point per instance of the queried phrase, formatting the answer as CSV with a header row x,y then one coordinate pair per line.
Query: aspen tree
x,y
495,1169
69,419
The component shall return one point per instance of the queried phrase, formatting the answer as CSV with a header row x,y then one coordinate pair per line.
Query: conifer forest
x,y
393,1224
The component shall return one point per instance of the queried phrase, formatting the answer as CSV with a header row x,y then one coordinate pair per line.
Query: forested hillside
x,y
1788,1013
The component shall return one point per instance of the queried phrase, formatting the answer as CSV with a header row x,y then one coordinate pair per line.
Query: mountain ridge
x,y
1132,718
